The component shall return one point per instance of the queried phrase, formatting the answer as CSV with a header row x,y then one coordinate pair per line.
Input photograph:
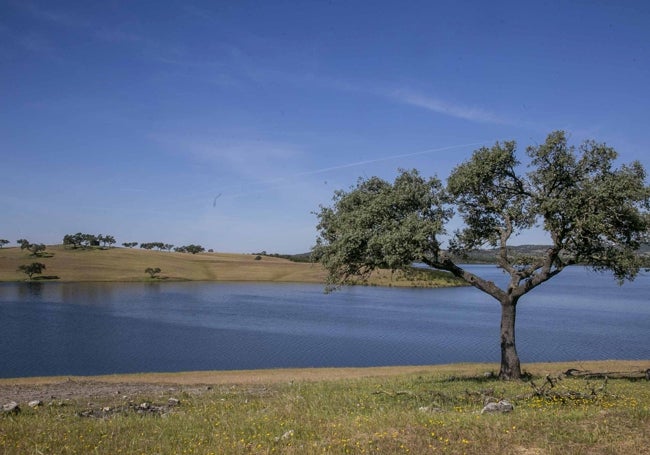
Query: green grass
x,y
430,411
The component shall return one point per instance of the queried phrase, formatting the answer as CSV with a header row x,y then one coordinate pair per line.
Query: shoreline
x,y
127,265
277,375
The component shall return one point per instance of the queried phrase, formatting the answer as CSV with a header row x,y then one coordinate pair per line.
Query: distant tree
x,y
74,240
35,268
3,242
90,240
180,249
37,249
194,249
147,246
152,271
168,246
24,244
129,244
107,240
595,214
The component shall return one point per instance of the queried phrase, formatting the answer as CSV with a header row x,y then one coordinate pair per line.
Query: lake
x,y
104,328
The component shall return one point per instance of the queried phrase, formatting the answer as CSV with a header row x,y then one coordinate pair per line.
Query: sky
x,y
228,123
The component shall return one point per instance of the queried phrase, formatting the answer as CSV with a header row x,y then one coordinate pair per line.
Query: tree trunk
x,y
510,366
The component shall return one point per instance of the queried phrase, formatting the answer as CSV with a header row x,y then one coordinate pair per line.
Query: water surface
x,y
102,328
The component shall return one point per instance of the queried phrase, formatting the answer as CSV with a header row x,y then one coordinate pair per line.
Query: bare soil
x,y
60,389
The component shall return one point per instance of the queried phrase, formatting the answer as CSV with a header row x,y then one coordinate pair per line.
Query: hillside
x,y
125,264
487,256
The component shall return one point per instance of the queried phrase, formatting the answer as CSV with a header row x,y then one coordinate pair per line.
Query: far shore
x,y
66,264
328,374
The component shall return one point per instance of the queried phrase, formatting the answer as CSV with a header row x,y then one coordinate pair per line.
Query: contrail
x,y
386,158
278,182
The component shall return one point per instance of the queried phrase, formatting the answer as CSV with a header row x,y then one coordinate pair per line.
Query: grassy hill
x,y
125,264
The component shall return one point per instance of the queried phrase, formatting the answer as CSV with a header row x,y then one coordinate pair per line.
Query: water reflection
x,y
32,290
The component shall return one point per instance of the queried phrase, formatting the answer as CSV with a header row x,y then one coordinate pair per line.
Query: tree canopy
x,y
594,213
35,268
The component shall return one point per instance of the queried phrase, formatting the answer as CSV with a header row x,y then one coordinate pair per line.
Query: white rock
x,y
11,407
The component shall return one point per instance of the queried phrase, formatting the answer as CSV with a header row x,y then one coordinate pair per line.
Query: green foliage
x,y
594,213
189,249
3,242
81,240
35,268
106,240
152,271
24,243
130,244
381,225
37,249
159,245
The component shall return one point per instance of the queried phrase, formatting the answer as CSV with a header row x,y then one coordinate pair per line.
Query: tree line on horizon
x,y
83,241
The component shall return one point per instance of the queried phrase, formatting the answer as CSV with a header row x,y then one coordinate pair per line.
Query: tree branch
x,y
484,285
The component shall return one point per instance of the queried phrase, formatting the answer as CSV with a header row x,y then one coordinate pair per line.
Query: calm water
x,y
85,329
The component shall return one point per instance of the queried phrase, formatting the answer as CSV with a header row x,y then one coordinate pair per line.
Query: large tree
x,y
595,214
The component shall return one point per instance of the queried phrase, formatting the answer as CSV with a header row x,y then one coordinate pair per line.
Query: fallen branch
x,y
545,391
586,374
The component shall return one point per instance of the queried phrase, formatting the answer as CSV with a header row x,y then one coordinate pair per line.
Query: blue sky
x,y
227,123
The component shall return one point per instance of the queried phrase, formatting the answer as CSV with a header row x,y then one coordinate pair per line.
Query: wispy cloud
x,y
60,18
474,114
248,159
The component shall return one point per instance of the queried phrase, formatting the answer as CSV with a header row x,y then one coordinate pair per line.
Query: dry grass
x,y
280,375
124,264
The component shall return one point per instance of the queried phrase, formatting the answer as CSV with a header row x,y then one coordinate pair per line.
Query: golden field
x,y
126,264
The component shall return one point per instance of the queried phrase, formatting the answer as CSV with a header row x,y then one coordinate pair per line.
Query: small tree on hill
x,y
35,268
3,242
24,244
106,240
37,249
74,240
152,271
130,244
194,249
595,215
